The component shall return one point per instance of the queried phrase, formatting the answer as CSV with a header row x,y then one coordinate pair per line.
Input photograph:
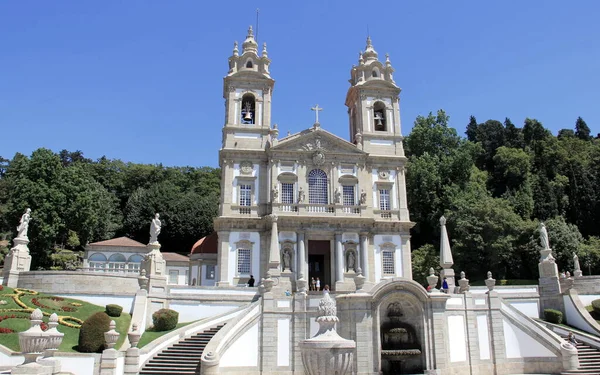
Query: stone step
x,y
182,357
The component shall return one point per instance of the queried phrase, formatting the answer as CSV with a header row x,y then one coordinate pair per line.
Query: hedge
x,y
114,310
91,334
596,306
165,319
553,316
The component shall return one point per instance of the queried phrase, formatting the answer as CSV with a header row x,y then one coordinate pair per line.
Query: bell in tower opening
x,y
379,116
248,109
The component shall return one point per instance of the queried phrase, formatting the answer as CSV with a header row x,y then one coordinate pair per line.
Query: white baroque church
x,y
312,204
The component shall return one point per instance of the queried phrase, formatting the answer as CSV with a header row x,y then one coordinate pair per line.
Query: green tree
x,y
582,131
472,129
424,258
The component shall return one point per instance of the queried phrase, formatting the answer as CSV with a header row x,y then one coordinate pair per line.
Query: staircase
x,y
181,358
589,361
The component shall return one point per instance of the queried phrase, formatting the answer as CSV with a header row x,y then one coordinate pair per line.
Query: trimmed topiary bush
x,y
596,306
165,319
114,310
553,316
91,334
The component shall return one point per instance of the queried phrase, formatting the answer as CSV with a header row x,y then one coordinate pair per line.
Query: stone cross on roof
x,y
317,109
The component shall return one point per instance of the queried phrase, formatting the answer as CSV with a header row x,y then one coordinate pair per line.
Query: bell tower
x,y
373,102
247,90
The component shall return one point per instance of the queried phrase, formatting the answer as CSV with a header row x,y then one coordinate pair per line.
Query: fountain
x,y
399,344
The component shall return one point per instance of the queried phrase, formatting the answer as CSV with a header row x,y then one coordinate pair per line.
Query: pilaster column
x,y
364,256
339,258
223,256
301,258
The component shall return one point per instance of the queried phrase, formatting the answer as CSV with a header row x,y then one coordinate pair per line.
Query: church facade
x,y
311,205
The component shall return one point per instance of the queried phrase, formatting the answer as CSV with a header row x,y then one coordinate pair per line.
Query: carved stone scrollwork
x,y
318,158
246,167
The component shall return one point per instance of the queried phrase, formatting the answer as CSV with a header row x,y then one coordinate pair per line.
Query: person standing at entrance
x,y
313,284
251,281
318,284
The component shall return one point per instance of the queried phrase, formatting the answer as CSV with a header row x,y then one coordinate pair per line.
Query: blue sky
x,y
142,80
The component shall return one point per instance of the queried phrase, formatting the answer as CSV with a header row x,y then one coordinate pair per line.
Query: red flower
x,y
44,326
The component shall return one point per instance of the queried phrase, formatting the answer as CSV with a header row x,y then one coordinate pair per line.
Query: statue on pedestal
x,y
544,237
300,195
24,224
351,261
155,226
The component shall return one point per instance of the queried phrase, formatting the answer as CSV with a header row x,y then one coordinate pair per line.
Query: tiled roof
x,y
174,257
206,245
119,242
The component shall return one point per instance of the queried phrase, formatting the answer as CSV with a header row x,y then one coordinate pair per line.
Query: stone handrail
x,y
577,315
226,336
586,338
550,340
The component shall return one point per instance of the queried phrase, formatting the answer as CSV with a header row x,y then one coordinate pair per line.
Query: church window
x,y
384,199
243,261
379,118
245,195
248,109
287,193
387,261
173,276
210,272
249,64
348,195
317,187
374,73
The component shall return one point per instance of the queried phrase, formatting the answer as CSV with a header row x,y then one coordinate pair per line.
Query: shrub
x,y
553,316
91,334
114,310
165,319
596,306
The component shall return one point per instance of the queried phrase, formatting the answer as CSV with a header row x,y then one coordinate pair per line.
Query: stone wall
x,y
587,284
80,282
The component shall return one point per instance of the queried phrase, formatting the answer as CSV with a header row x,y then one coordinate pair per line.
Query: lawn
x,y
19,303
594,314
150,335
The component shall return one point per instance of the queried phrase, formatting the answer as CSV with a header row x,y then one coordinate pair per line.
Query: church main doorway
x,y
319,261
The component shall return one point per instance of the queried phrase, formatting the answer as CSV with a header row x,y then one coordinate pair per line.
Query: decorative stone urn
x,y
359,281
112,336
463,283
55,337
34,340
432,279
143,280
490,282
327,352
134,335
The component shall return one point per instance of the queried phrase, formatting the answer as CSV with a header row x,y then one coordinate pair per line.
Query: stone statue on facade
x,y
275,193
338,195
351,261
544,237
287,260
363,197
155,226
24,224
300,195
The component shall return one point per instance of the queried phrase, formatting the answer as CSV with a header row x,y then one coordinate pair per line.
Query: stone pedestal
x,y
132,361
547,265
156,268
17,260
448,273
108,362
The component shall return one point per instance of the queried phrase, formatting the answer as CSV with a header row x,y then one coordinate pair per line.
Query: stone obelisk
x,y
446,261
